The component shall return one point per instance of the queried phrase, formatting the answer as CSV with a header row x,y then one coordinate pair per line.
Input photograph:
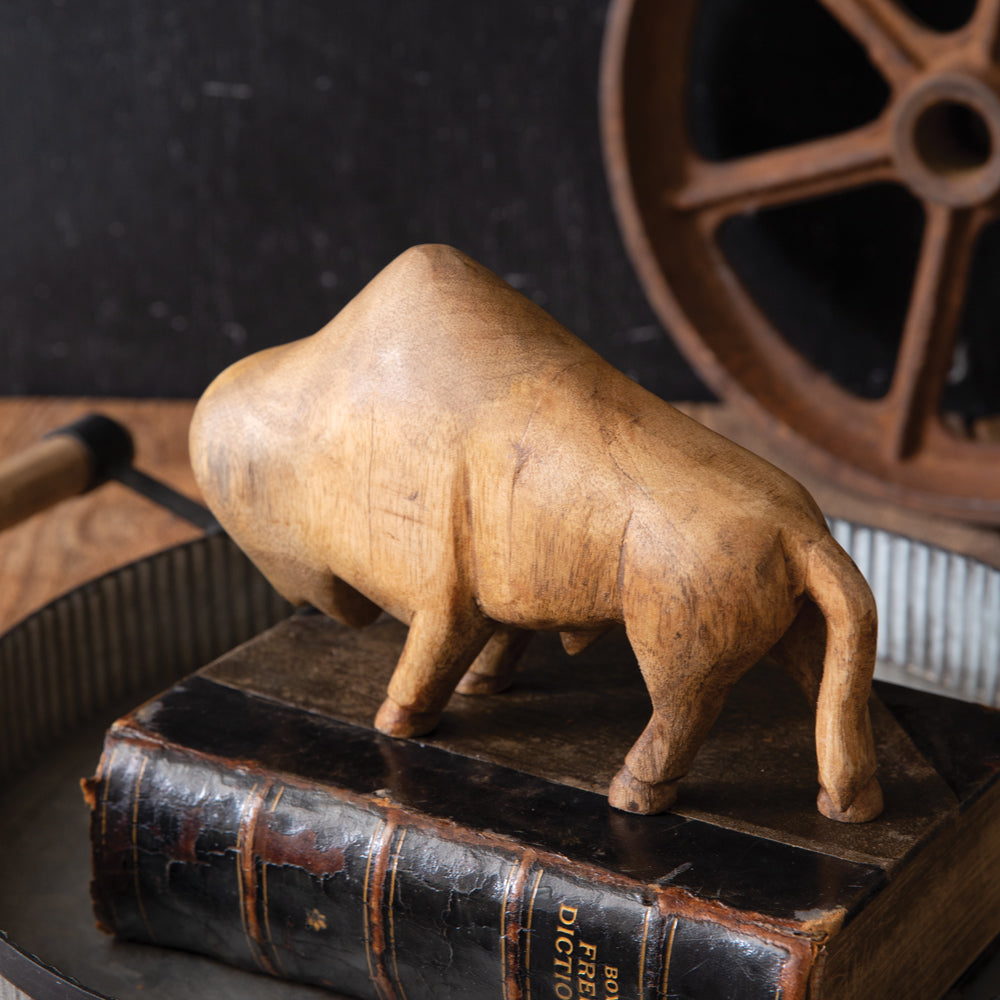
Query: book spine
x,y
319,885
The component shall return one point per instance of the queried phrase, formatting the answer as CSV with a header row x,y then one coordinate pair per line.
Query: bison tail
x,y
844,745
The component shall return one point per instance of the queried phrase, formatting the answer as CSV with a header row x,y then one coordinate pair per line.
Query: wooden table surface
x,y
89,535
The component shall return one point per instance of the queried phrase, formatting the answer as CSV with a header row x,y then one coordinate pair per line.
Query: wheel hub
x,y
946,139
937,137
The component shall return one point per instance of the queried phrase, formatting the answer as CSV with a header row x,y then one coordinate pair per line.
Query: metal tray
x,y
68,670
65,674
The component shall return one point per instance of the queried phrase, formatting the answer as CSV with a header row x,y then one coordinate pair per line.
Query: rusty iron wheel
x,y
933,137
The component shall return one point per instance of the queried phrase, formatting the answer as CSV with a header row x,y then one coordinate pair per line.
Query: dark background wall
x,y
182,183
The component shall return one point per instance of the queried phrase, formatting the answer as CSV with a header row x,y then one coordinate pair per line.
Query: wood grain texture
x,y
955,916
87,536
446,451
32,480
90,534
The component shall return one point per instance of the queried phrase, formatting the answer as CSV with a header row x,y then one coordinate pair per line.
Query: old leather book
x,y
252,813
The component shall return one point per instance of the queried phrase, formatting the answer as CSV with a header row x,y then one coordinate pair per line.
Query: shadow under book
x,y
251,813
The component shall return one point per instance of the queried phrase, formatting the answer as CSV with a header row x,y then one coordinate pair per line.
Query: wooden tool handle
x,y
69,461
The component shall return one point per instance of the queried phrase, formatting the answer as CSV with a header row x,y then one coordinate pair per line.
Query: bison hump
x,y
435,318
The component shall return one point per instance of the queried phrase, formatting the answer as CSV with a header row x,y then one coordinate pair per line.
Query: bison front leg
x,y
438,650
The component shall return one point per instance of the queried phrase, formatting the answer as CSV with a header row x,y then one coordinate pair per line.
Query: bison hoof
x,y
867,805
631,794
473,683
395,720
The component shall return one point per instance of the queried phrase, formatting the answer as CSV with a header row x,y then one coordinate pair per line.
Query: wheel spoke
x,y
985,29
781,176
897,45
931,326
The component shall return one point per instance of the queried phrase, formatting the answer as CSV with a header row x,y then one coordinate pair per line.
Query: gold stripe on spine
x,y
503,933
103,772
666,957
392,922
246,876
263,895
642,950
527,942
103,775
136,791
510,927
379,849
368,870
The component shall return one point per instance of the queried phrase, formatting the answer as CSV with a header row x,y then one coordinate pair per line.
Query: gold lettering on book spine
x,y
564,946
586,971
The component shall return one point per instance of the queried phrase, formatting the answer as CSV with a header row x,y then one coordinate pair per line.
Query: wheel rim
x,y
937,137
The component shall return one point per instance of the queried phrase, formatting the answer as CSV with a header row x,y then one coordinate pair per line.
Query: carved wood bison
x,y
446,451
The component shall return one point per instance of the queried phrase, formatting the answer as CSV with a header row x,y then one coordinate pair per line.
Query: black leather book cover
x,y
251,813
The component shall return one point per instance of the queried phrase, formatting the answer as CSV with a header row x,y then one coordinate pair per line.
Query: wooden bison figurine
x,y
444,450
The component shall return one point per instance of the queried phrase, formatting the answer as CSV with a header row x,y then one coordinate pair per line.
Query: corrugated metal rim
x,y
130,632
939,613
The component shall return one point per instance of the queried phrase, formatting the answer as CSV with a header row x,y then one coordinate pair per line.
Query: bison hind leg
x,y
631,794
800,651
687,683
865,806
493,669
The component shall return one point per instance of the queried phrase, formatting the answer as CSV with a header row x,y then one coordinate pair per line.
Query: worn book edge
x,y
827,955
801,941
